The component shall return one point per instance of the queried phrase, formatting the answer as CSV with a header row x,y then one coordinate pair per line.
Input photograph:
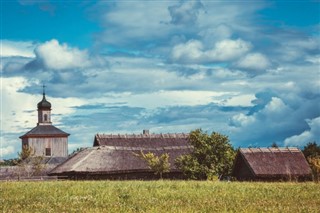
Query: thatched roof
x,y
45,131
141,140
271,162
115,159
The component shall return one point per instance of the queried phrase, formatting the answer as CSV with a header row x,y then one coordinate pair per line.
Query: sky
x,y
246,69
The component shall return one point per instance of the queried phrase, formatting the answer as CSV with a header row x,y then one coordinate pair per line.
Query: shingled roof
x,y
141,140
45,131
108,160
271,163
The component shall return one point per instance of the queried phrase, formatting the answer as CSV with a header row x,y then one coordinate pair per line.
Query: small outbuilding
x,y
271,164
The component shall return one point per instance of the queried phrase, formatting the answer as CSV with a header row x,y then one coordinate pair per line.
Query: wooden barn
x,y
45,139
112,157
271,164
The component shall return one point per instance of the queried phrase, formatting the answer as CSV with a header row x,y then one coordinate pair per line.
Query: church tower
x,y
45,139
44,111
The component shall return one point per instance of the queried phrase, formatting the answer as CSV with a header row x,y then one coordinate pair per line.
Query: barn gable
x,y
271,164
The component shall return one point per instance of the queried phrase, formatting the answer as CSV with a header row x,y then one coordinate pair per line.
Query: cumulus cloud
x,y
53,55
241,120
313,134
272,120
253,61
275,110
194,52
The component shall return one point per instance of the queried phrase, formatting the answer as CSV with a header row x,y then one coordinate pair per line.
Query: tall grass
x,y
158,196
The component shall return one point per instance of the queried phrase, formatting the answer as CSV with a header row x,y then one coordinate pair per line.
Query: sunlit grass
x,y
158,196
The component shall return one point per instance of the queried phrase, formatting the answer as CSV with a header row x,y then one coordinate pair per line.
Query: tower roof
x,y
44,104
45,131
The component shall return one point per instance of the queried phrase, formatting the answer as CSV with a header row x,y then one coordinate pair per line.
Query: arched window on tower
x,y
45,117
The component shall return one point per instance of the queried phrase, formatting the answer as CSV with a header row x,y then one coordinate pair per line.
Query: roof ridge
x,y
152,135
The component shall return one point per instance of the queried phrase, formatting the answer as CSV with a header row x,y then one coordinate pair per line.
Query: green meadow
x,y
158,196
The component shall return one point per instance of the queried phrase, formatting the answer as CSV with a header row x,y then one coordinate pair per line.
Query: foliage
x,y
314,163
79,149
158,196
9,162
212,155
311,150
274,145
37,165
29,164
26,153
157,164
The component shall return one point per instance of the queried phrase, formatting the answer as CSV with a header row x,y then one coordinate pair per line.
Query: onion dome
x,y
44,104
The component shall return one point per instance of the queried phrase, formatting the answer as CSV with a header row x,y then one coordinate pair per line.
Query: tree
x,y
314,163
312,153
26,153
157,164
274,145
79,149
9,162
212,155
29,164
311,150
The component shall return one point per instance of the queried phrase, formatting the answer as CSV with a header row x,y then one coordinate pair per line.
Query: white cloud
x,y
241,120
239,100
8,150
194,52
264,124
165,98
17,48
255,61
275,108
313,134
190,51
60,56
313,59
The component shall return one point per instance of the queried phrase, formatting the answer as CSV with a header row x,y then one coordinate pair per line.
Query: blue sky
x,y
247,69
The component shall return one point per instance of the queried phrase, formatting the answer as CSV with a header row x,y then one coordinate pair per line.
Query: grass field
x,y
158,196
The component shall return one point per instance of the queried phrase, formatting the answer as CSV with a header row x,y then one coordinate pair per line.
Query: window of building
x,y
48,151
45,117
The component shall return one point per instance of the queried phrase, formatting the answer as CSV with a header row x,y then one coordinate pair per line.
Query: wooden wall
x,y
58,145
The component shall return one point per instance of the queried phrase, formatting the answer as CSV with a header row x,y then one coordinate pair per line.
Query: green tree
x,y
212,155
9,162
157,164
274,145
311,150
